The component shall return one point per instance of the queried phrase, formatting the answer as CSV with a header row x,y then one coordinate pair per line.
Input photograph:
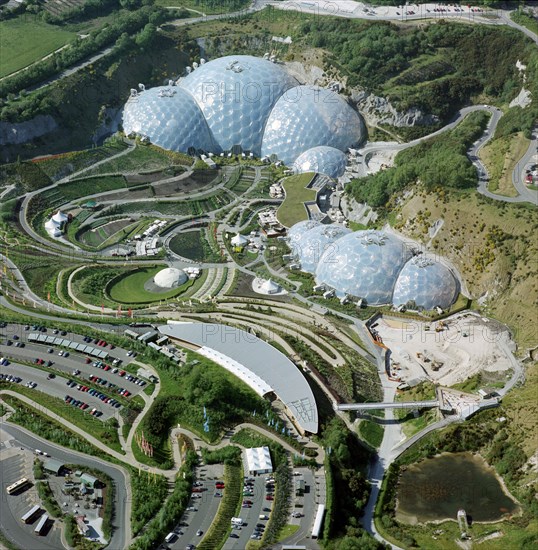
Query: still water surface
x,y
436,488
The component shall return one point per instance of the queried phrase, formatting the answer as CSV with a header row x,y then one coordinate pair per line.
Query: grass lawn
x,y
371,432
292,210
500,157
287,531
39,40
130,288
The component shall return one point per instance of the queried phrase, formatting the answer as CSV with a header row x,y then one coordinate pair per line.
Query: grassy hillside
x,y
492,243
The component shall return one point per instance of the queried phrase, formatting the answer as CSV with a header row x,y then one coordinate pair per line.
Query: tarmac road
x,y
120,536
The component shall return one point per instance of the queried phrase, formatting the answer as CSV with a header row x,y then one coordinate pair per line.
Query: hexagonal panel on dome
x,y
427,283
236,94
309,116
323,160
170,117
315,242
364,264
296,232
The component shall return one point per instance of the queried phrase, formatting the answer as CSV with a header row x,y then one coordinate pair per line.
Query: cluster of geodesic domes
x,y
247,104
374,265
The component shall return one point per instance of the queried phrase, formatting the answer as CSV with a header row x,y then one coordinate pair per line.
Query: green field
x,y
292,209
26,39
130,288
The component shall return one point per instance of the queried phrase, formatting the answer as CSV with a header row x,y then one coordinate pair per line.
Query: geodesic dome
x,y
316,242
425,282
323,160
236,94
309,116
296,232
169,117
364,264
170,277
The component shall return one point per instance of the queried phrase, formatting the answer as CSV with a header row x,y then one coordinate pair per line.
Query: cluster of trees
x,y
171,510
149,493
226,402
477,59
226,455
440,161
125,25
347,460
47,498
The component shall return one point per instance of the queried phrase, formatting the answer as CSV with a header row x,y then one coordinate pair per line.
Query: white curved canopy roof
x,y
239,240
257,363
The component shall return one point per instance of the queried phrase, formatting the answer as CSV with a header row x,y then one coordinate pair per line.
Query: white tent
x,y
59,217
270,287
259,460
239,240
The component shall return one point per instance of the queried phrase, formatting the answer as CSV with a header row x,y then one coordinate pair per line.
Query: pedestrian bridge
x,y
394,405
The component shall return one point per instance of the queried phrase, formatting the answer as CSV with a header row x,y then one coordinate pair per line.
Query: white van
x,y
237,521
170,537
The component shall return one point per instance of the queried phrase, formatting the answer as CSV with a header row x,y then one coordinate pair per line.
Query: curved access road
x,y
525,194
121,534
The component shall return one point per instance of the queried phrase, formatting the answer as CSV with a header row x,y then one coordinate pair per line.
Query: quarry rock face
x,y
21,132
378,110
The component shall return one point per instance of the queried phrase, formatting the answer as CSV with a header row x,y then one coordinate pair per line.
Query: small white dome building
x,y
170,277
239,240
267,287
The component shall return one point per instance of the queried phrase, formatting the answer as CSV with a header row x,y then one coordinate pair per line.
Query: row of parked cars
x,y
96,393
10,378
98,342
81,405
118,371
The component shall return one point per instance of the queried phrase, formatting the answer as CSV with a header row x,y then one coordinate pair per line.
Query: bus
x,y
29,516
14,487
318,521
40,527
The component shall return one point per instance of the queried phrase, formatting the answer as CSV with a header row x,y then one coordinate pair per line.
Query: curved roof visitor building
x,y
258,364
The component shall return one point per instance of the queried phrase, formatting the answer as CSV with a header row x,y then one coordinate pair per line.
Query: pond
x,y
436,488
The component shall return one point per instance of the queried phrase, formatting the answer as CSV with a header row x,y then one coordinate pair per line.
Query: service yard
x,y
445,352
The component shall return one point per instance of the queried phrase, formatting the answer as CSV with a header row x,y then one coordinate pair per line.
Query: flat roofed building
x,y
259,460
265,369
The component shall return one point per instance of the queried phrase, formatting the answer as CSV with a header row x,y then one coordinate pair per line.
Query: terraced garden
x,y
101,231
194,246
